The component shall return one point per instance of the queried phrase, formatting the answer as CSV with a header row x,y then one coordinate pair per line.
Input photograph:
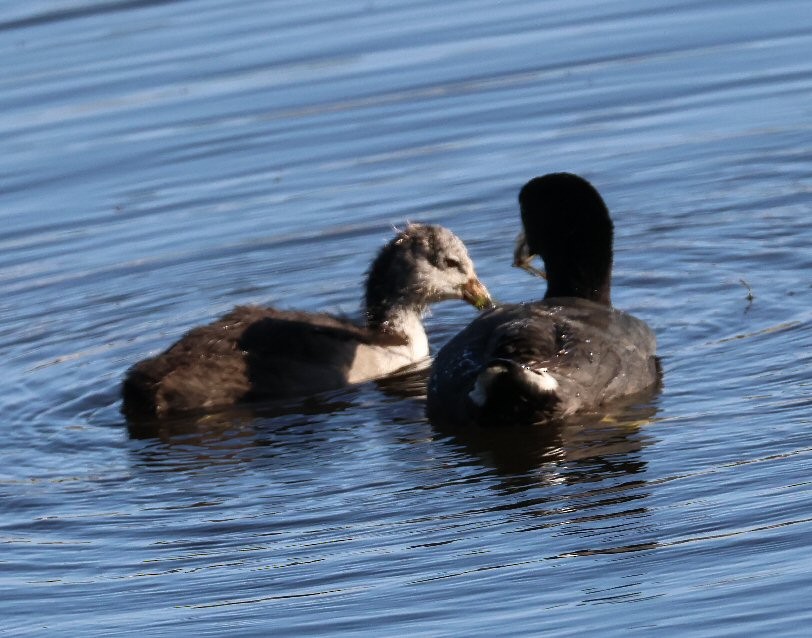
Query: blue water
x,y
163,161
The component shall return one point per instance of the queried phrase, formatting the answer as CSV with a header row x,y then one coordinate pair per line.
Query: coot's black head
x,y
567,224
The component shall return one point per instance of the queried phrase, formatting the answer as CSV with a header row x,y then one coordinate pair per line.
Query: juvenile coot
x,y
255,353
548,359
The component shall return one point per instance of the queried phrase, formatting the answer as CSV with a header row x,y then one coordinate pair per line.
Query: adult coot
x,y
569,352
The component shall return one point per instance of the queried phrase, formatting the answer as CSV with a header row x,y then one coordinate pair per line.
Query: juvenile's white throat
x,y
409,323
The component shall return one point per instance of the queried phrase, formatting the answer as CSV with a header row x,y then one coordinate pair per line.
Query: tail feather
x,y
507,392
139,395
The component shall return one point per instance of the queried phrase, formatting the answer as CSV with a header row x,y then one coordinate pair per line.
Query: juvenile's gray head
x,y
423,264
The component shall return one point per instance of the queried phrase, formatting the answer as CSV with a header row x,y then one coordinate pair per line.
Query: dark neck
x,y
570,284
390,302
391,299
587,275
391,316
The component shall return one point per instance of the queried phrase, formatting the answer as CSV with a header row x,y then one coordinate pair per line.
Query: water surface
x,y
165,160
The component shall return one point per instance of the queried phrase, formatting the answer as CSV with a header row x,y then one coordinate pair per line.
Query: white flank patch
x,y
540,378
479,395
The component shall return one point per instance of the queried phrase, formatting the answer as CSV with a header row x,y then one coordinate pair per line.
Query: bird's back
x,y
541,361
251,353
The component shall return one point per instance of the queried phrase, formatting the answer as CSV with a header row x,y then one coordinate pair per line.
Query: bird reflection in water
x,y
587,449
237,435
581,449
583,479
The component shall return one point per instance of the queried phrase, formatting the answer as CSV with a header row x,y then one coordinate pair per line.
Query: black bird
x,y
570,352
255,353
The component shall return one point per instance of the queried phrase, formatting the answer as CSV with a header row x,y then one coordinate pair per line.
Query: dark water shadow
x,y
582,449
290,432
407,385
209,427
584,478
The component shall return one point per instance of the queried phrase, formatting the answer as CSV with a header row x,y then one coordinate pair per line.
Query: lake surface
x,y
163,161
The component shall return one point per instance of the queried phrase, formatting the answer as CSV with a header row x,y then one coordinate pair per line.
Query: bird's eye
x,y
452,263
